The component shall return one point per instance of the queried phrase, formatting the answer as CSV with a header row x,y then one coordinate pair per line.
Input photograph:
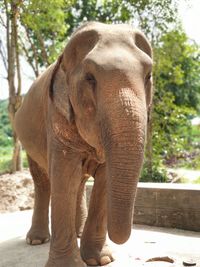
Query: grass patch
x,y
185,180
197,181
195,134
6,158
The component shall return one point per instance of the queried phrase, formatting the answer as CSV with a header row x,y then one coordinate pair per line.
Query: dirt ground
x,y
16,192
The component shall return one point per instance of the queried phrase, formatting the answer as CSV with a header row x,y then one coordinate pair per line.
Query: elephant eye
x,y
90,79
148,78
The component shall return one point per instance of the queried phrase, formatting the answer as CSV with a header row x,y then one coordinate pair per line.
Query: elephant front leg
x,y
65,174
94,249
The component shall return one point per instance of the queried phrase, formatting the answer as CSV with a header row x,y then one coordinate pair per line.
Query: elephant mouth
x,y
97,154
100,155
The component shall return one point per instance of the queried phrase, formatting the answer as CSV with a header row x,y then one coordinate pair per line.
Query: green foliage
x,y
44,25
5,127
172,127
190,159
195,136
177,95
158,175
197,181
153,17
177,68
186,180
5,158
5,138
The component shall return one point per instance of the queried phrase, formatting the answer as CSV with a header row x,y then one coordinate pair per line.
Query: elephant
x,y
86,115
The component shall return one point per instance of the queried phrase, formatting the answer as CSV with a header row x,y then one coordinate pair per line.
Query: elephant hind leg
x,y
39,231
81,209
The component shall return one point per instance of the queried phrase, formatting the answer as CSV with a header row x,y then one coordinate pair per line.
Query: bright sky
x,y
190,17
189,13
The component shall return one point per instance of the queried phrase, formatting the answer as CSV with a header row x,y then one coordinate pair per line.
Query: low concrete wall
x,y
167,205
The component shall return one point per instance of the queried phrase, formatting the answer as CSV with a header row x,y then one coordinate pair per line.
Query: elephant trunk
x,y
124,149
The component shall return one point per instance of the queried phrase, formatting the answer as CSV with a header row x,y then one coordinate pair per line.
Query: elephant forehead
x,y
123,37
117,60
107,36
115,51
111,33
103,29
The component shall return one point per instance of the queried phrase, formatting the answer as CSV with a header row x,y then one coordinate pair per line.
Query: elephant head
x,y
102,84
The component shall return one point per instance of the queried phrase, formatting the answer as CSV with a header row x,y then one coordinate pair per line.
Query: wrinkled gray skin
x,y
87,115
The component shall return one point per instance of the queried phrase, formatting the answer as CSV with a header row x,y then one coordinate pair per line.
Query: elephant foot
x,y
37,235
96,253
65,261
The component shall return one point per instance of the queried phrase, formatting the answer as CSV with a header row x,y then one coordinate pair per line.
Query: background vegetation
x,y
43,27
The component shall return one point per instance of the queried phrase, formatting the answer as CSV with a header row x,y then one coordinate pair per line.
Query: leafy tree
x,y
43,31
152,16
5,126
176,98
10,9
177,68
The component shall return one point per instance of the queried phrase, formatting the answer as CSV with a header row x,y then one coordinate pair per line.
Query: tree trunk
x,y
16,159
13,64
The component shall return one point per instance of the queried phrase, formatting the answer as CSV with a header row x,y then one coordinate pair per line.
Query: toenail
x,y
36,242
91,262
105,260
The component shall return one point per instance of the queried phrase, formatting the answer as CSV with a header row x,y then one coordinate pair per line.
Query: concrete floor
x,y
144,243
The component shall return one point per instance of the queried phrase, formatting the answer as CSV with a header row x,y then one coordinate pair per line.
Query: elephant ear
x,y
80,44
59,91
143,44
